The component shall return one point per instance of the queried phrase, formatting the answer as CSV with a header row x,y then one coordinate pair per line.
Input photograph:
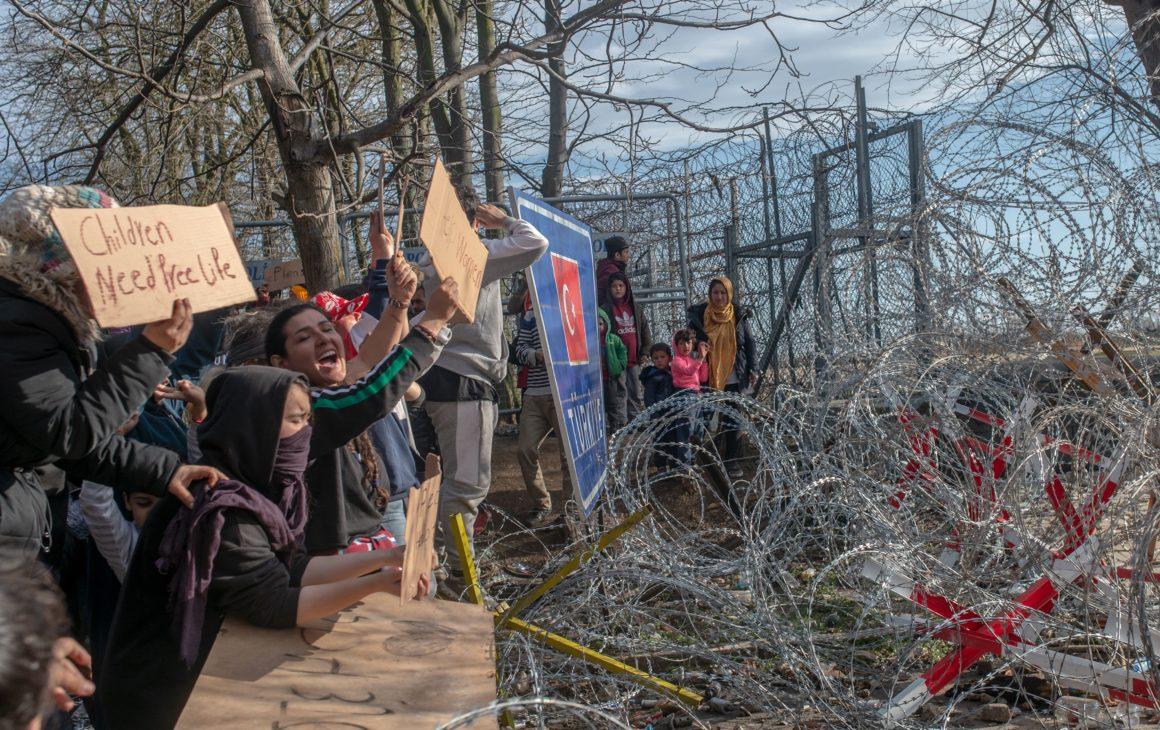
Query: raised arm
x,y
517,250
345,411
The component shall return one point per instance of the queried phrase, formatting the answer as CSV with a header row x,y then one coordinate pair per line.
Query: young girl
x,y
236,552
631,326
614,360
689,367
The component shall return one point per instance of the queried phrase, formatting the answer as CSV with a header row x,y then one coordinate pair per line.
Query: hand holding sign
x,y
382,242
170,334
443,304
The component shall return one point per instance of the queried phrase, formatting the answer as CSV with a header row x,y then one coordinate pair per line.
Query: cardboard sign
x,y
284,274
455,248
136,262
370,666
256,271
422,513
563,288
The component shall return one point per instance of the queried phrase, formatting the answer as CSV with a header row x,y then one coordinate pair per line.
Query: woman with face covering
x,y
732,353
237,552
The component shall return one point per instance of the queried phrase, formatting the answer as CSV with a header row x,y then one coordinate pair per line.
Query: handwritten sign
x,y
370,666
455,249
284,274
256,270
136,261
422,512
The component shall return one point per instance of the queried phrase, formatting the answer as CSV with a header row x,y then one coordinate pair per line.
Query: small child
x,y
656,378
689,366
615,360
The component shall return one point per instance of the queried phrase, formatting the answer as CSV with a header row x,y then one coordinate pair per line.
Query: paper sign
x,y
284,274
136,261
370,666
455,249
422,513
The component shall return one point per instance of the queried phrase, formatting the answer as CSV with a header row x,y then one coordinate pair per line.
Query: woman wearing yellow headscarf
x,y
732,353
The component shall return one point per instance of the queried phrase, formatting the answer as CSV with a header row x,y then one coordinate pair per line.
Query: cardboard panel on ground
x,y
372,666
136,262
563,287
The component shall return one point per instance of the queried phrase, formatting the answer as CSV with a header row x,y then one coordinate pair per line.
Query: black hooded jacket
x,y
59,411
144,683
745,362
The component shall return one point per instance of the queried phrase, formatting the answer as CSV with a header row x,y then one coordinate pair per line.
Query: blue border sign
x,y
563,287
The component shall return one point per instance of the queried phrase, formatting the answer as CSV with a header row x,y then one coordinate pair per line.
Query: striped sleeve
x,y
343,412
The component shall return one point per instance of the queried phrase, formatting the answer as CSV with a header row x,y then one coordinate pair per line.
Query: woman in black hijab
x,y
238,551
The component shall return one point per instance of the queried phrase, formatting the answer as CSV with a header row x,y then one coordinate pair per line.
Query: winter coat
x,y
58,411
658,384
745,361
606,268
615,353
643,333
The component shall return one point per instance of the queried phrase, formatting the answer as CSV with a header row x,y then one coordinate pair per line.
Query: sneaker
x,y
452,587
538,517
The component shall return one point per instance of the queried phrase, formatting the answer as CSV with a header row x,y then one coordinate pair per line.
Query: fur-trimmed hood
x,y
56,289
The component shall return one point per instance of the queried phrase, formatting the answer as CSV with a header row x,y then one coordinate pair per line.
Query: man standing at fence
x,y
462,386
615,261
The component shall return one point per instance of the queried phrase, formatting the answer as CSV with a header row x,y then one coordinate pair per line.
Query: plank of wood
x,y
375,665
1042,333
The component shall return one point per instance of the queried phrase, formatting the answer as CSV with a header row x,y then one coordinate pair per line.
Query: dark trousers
x,y
730,432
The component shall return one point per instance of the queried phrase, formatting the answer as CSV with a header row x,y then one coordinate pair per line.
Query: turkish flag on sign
x,y
567,273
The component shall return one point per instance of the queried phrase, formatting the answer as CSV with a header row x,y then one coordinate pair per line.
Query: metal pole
x,y
771,346
918,244
865,209
731,234
824,327
781,259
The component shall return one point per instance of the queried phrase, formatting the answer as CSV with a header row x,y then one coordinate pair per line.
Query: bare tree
x,y
181,102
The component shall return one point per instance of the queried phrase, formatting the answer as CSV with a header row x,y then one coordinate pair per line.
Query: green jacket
x,y
615,353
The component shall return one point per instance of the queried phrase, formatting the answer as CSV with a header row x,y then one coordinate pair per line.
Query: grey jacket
x,y
479,350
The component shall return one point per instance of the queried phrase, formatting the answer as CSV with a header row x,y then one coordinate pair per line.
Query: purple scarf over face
x,y
192,539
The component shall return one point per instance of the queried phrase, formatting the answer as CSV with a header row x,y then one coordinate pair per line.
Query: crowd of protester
x,y
255,463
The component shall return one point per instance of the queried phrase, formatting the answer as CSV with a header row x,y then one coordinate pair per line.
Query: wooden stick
x,y
1043,334
1100,339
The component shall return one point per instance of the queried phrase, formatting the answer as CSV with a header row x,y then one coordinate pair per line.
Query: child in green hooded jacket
x,y
614,362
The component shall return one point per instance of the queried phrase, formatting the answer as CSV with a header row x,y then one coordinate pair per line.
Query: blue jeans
x,y
395,520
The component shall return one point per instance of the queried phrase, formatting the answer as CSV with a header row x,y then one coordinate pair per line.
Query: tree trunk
x,y
458,155
1142,19
552,183
421,17
489,104
309,194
